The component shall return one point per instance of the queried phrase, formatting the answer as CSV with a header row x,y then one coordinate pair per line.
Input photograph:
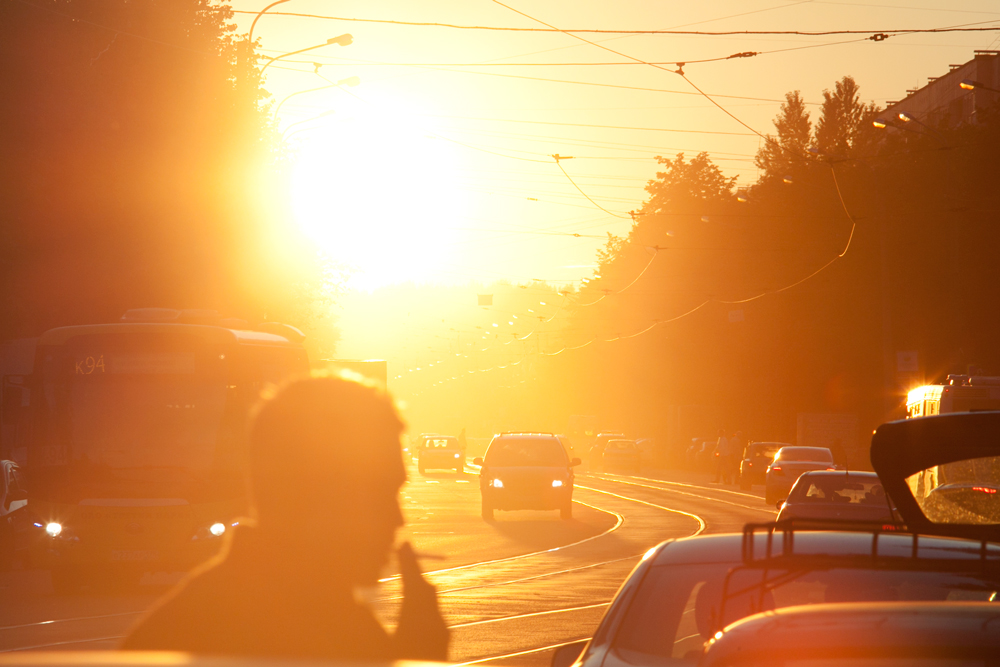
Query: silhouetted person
x,y
722,455
325,471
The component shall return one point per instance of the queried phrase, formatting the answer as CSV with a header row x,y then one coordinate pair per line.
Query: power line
x,y
606,31
568,81
559,158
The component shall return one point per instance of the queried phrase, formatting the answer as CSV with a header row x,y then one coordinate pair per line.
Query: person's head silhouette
x,y
325,472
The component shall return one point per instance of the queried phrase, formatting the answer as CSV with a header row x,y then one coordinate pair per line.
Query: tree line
x,y
801,289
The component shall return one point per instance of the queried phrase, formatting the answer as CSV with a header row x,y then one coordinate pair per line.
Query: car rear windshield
x,y
679,607
961,492
621,444
767,451
820,454
441,443
845,489
505,452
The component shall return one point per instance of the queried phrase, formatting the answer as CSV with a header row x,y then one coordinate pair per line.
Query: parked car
x,y
788,464
621,455
683,592
839,495
756,458
699,454
870,633
14,522
647,451
441,451
597,449
526,471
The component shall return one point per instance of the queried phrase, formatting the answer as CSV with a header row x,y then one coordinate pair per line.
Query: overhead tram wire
x,y
606,31
558,159
680,72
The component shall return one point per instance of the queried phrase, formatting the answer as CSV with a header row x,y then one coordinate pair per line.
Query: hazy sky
x,y
442,173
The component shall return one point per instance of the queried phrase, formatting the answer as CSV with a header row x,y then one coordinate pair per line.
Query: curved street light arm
x,y
259,14
342,40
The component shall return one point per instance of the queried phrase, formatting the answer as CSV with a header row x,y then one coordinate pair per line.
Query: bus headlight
x,y
53,529
212,531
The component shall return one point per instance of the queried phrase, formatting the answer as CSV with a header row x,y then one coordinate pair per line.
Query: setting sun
x,y
378,195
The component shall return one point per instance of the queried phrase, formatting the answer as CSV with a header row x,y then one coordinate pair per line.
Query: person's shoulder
x,y
177,620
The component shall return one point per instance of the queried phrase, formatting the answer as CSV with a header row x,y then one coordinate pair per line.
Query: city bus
x,y
136,460
960,393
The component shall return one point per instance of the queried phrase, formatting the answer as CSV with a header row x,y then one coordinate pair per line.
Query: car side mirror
x,y
478,461
16,495
565,656
574,462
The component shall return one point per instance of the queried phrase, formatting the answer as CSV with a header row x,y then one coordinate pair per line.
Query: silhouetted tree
x,y
785,153
845,125
137,155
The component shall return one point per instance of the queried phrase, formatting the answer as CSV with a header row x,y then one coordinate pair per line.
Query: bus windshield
x,y
127,416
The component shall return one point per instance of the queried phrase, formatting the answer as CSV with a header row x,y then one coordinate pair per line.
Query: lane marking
x,y
72,618
507,582
529,615
618,523
75,641
701,522
514,655
685,493
699,486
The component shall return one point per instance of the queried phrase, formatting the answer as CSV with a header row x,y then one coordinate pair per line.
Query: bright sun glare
x,y
378,196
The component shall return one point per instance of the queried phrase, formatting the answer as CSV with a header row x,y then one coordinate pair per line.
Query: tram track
x,y
476,570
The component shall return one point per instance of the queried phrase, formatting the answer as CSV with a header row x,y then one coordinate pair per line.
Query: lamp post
x,y
342,40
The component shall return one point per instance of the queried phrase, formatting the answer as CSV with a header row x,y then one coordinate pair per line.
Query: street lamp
x,y
349,81
342,40
906,118
910,118
969,84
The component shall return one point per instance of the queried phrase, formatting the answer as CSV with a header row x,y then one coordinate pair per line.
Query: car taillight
x,y
984,489
775,468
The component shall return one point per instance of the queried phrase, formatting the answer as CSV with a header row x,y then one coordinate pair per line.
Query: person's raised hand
x,y
421,633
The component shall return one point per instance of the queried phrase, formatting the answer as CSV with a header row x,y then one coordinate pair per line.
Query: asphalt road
x,y
510,590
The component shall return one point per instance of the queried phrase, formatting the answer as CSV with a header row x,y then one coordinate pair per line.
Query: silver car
x,y
788,464
526,471
838,495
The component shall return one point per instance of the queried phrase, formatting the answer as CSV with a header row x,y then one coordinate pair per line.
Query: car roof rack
x,y
984,557
988,553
